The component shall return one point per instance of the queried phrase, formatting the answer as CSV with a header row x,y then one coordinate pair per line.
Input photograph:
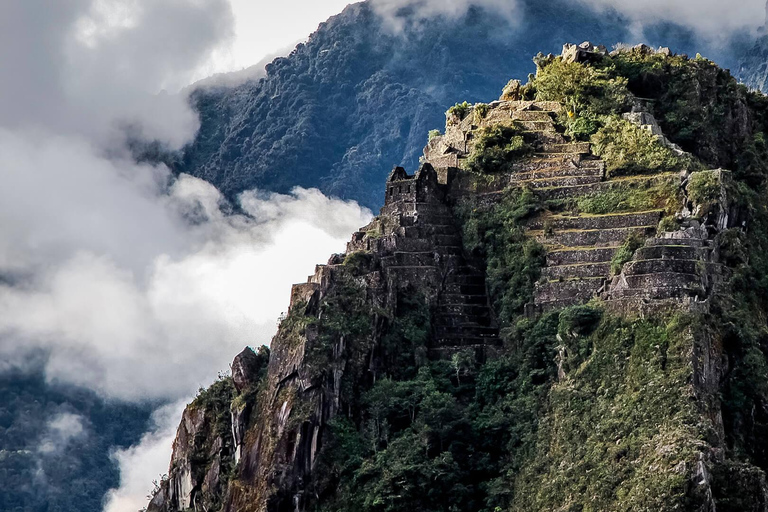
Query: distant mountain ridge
x,y
356,97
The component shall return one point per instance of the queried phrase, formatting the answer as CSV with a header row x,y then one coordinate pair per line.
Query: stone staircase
x,y
427,241
681,265
418,243
579,252
579,246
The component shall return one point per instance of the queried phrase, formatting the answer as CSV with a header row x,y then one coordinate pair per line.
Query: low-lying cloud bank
x,y
142,293
712,20
135,283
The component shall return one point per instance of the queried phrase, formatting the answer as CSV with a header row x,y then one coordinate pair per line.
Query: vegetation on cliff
x,y
581,408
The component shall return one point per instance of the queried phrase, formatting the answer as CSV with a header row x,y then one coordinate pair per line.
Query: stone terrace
x,y
579,246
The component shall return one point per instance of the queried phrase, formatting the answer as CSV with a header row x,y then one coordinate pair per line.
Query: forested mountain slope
x,y
358,96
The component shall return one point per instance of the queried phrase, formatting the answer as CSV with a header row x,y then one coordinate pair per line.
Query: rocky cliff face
x,y
552,313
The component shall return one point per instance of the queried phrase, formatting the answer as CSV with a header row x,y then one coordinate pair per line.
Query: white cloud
x,y
150,305
711,19
425,9
61,429
146,461
265,28
91,66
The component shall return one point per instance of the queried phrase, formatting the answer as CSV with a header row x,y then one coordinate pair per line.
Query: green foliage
x,y
628,149
626,252
434,134
358,262
667,224
619,427
460,110
481,110
582,126
582,88
576,323
704,189
404,345
627,196
496,149
216,400
346,316
698,105
513,260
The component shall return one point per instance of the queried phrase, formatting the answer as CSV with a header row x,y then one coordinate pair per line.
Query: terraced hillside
x,y
580,236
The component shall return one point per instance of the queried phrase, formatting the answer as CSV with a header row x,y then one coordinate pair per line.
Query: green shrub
x,y
583,126
663,194
481,110
667,224
625,253
704,189
496,149
434,134
460,110
581,88
358,262
628,149
514,260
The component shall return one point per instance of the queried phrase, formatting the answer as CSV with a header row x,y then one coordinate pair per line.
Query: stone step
x,y
591,237
466,330
523,105
654,266
566,156
423,230
582,190
678,242
408,208
568,192
542,137
420,245
573,290
427,219
562,181
559,171
582,148
465,279
559,304
531,115
581,255
449,321
663,279
465,289
540,164
659,292
672,252
613,220
537,126
415,259
474,311
580,270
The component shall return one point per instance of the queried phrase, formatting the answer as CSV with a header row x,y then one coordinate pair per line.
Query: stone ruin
x,y
417,243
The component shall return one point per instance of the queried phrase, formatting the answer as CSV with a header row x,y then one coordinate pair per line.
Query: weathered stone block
x,y
580,270
593,237
587,255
